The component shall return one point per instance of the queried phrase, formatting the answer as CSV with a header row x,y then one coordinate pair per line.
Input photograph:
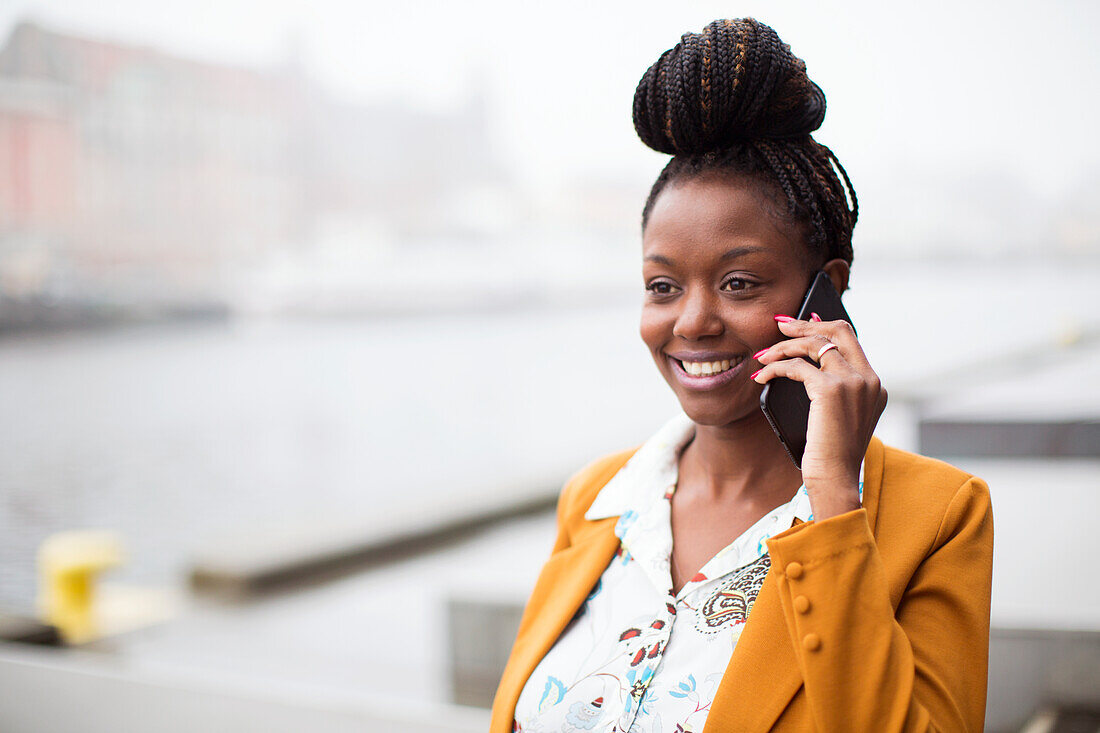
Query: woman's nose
x,y
698,317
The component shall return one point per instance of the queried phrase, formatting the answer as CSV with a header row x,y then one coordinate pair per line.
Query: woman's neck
x,y
742,461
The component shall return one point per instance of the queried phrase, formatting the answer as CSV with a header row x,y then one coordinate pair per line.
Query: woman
x,y
702,581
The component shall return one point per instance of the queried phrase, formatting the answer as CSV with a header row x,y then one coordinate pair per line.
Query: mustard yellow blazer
x,y
873,620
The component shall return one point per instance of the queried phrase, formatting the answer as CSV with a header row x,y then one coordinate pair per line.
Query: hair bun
x,y
735,81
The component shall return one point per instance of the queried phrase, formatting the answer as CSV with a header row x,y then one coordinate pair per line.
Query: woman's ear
x,y
838,271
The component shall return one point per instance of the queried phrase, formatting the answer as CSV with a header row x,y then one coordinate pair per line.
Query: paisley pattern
x,y
638,658
732,600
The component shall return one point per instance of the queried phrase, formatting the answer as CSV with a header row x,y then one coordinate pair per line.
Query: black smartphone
x,y
784,401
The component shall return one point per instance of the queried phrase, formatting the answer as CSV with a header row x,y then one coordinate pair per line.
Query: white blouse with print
x,y
638,658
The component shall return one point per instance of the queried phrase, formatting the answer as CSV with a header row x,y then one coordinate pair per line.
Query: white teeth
x,y
707,368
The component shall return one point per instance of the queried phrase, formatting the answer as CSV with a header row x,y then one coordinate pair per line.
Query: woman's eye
x,y
735,284
659,287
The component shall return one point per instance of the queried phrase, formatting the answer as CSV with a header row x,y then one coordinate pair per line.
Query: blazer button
x,y
811,642
801,604
794,570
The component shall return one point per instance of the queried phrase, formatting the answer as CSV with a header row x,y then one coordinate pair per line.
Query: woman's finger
x,y
839,332
797,369
813,348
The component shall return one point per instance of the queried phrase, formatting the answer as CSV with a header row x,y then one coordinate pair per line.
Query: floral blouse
x,y
638,658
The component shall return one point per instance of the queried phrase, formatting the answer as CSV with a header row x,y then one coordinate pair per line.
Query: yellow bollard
x,y
68,563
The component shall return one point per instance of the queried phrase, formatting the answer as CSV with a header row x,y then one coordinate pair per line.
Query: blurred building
x,y
124,169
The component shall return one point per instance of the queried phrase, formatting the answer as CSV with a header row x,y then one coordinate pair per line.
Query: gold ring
x,y
823,349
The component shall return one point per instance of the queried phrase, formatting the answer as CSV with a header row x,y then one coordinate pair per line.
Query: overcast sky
x,y
1007,87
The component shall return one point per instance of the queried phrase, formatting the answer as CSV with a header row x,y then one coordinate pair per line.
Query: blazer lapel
x,y
565,581
763,673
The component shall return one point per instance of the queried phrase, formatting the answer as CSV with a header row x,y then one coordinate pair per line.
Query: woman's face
x,y
718,264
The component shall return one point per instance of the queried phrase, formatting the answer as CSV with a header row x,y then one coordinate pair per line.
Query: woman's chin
x,y
713,413
721,405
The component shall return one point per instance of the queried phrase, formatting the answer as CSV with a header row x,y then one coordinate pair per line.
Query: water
x,y
177,436
180,435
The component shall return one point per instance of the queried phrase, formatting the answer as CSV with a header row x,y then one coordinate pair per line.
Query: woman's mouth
x,y
706,374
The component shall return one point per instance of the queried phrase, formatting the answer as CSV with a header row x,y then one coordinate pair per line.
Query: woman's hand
x,y
846,400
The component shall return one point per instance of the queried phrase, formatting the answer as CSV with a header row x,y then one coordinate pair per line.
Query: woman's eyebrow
x,y
732,254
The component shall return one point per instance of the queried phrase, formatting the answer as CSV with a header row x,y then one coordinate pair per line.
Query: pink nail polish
x,y
760,353
784,319
815,317
753,375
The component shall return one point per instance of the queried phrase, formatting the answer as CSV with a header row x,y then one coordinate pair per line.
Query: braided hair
x,y
734,99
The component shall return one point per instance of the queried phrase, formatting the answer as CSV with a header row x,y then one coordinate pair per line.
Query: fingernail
x,y
760,353
753,375
785,319
815,317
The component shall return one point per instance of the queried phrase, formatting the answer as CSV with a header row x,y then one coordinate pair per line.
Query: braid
x,y
734,99
779,171
847,183
813,189
681,122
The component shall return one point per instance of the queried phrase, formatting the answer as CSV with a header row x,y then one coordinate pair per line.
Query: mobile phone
x,y
784,401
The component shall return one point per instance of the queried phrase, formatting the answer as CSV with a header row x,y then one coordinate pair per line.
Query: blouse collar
x,y
653,471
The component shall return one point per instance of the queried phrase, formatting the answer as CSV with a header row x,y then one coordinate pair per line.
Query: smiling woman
x,y
702,580
715,273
